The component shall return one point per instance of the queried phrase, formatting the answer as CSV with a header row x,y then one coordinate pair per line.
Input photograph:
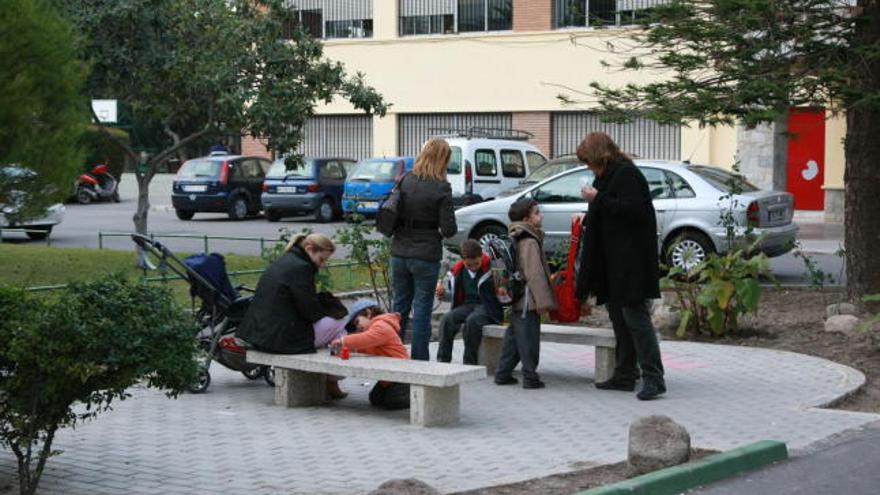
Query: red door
x,y
806,157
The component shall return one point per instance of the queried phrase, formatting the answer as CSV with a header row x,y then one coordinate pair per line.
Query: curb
x,y
678,479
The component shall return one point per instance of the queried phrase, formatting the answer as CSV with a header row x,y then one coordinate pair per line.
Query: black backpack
x,y
510,285
388,215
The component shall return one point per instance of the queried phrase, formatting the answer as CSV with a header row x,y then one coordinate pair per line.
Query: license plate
x,y
370,204
286,189
201,188
777,215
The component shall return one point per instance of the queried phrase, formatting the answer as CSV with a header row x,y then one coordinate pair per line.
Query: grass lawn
x,y
37,265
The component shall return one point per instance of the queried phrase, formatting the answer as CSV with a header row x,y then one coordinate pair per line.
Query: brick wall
x,y
252,146
532,15
538,123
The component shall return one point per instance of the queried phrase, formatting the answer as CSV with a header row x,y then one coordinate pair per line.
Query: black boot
x,y
651,390
617,384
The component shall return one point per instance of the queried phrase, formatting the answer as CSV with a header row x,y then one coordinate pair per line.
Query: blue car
x,y
371,182
313,187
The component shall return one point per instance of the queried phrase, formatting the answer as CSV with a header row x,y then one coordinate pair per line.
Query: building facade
x,y
504,63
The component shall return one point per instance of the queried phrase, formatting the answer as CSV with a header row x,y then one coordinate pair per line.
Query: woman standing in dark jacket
x,y
286,305
619,263
426,217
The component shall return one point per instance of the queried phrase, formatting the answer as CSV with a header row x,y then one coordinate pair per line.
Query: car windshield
x,y
722,179
194,169
375,170
279,170
549,169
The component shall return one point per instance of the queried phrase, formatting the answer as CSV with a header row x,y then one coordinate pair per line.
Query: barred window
x,y
454,16
598,13
328,19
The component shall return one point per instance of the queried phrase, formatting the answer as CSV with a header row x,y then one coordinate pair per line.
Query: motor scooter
x,y
97,184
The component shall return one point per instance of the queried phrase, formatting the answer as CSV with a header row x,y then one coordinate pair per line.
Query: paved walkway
x,y
233,439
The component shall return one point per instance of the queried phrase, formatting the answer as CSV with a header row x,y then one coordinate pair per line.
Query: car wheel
x,y
486,233
324,212
83,197
238,208
184,214
273,215
38,233
687,250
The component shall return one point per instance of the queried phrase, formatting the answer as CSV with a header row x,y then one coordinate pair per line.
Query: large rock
x,y
840,309
657,442
406,486
665,318
845,324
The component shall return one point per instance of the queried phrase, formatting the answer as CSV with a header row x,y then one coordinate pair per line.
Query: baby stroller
x,y
221,309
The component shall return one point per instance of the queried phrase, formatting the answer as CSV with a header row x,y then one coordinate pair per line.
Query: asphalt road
x,y
849,465
82,223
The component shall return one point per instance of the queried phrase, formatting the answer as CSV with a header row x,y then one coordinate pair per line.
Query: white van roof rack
x,y
481,132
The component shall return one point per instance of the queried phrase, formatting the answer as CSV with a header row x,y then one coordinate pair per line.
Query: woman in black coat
x,y
426,217
285,306
618,262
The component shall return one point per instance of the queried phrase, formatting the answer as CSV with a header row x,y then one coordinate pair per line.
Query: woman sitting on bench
x,y
376,332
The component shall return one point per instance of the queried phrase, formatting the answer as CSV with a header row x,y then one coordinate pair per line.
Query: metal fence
x,y
340,136
415,129
642,137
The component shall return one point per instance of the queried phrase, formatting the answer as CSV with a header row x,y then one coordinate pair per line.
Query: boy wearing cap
x,y
473,303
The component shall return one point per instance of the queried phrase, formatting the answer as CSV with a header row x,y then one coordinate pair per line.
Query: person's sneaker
x,y
615,384
651,391
533,384
506,381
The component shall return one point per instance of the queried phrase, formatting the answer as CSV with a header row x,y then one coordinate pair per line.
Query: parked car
x,y
688,199
230,184
314,186
542,172
371,182
35,226
485,162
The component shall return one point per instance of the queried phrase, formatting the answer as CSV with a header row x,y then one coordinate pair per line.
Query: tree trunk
x,y
862,176
143,210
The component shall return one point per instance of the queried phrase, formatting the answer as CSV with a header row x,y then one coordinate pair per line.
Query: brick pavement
x,y
233,439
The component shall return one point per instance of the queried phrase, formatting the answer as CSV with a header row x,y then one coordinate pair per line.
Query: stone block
x,y
299,388
434,406
840,309
844,324
657,442
406,486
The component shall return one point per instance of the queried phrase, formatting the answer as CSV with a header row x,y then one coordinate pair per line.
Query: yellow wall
x,y
511,72
835,130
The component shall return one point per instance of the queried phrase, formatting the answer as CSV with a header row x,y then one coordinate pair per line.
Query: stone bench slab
x,y
427,373
435,397
601,338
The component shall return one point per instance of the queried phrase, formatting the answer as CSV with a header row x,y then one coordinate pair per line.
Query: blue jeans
x,y
413,282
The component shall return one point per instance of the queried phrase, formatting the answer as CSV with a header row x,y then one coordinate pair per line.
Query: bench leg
x,y
298,388
490,354
433,406
606,360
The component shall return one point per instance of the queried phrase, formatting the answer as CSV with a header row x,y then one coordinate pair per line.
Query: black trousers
x,y
474,317
637,345
522,343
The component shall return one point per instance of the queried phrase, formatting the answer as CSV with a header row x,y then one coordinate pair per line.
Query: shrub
x,y
67,356
372,253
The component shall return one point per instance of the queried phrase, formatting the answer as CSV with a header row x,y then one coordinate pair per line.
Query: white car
x,y
35,228
485,162
688,200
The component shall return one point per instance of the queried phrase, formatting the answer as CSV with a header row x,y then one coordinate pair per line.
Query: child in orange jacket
x,y
377,333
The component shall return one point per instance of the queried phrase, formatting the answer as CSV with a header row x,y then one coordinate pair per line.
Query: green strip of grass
x,y
33,266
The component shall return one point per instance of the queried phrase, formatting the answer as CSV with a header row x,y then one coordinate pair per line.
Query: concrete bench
x,y
602,339
300,380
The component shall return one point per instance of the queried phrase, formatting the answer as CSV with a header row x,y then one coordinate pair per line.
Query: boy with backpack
x,y
473,303
522,341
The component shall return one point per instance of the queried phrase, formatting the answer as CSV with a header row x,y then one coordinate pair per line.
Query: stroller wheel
x,y
269,375
203,381
253,373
